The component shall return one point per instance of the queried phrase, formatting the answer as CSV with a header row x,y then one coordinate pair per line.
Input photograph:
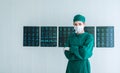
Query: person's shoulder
x,y
89,35
71,35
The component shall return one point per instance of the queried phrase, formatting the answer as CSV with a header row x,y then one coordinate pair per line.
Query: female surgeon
x,y
78,48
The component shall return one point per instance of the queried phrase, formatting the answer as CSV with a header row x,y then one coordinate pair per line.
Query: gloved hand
x,y
66,48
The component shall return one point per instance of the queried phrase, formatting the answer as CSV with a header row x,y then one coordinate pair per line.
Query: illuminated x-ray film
x,y
64,32
48,36
30,36
105,36
90,29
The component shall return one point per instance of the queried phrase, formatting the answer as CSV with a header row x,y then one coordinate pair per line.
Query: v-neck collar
x,y
77,35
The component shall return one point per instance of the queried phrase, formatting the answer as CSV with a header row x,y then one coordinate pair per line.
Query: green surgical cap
x,y
79,17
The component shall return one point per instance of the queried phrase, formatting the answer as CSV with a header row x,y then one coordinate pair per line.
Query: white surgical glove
x,y
66,48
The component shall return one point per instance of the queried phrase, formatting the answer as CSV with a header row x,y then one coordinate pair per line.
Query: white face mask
x,y
79,29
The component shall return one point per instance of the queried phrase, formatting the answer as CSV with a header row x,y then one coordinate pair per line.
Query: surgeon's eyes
x,y
76,24
80,24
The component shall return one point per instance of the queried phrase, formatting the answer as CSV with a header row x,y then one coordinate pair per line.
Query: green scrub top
x,y
81,47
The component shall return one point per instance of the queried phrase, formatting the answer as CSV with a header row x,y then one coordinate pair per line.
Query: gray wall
x,y
14,14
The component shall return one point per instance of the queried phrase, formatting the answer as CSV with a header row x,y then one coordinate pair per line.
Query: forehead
x,y
77,22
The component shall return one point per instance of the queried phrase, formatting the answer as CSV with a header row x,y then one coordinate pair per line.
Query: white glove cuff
x,y
66,48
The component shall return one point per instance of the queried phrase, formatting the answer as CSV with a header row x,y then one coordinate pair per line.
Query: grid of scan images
x,y
105,36
64,32
31,36
46,36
